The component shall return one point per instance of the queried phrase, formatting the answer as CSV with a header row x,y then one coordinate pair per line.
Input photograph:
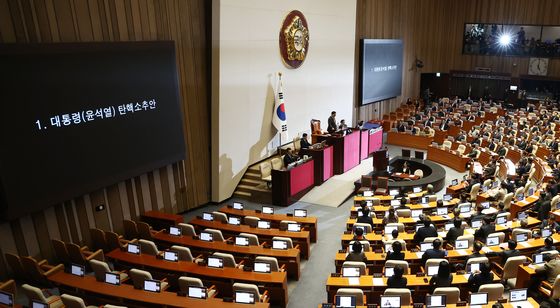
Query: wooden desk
x,y
289,257
323,166
519,206
408,140
455,190
450,159
404,176
438,221
346,150
506,305
223,278
288,185
310,223
87,287
10,287
383,208
159,220
298,238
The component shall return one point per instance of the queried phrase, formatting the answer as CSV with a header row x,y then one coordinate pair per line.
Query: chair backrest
x,y
432,198
399,225
552,253
246,287
284,224
517,231
277,162
519,191
266,169
187,229
229,260
33,271
113,241
393,263
17,268
461,149
405,294
251,221
366,245
500,235
130,229
253,239
138,277
357,293
382,182
487,183
478,260
148,247
216,234
98,239
186,282
288,241
270,260
367,181
474,190
360,265
468,237
316,127
404,213
144,230
447,144
365,226
434,262
507,201
431,239
70,301
510,268
184,253
556,288
76,254
296,144
219,216
99,269
495,290
33,293
60,251
452,294
554,202
419,173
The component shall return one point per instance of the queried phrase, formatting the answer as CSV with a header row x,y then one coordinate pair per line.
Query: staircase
x,y
251,187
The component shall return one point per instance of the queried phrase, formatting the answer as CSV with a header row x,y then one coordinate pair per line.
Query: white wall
x,y
245,59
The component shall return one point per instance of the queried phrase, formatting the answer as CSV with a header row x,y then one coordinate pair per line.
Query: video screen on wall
x,y
380,70
79,117
512,40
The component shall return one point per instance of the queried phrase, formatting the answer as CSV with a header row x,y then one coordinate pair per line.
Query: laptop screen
x,y
441,211
112,278
267,210
448,226
433,270
175,231
77,270
476,224
393,192
538,258
280,245
368,193
241,241
6,299
300,213
360,214
351,272
244,297
518,295
520,197
435,301
369,203
238,205
522,215
215,262
447,197
263,224
425,200
133,248
461,244
345,301
530,191
390,301
521,237
152,285
395,202
465,209
234,220
389,229
207,216
38,304
485,205
478,299
172,256
389,271
205,236
473,267
454,182
261,267
197,292
294,227
546,232
417,189
501,220
425,246
492,241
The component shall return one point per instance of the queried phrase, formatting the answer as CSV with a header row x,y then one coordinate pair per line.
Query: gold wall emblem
x,y
294,39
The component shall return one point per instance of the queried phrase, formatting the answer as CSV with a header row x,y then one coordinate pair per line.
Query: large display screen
x,y
79,117
380,70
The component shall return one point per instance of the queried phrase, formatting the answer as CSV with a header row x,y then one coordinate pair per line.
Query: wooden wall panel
x,y
432,30
178,187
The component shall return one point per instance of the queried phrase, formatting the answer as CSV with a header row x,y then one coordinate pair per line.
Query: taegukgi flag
x,y
279,119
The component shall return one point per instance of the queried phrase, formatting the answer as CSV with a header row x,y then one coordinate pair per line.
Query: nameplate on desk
x,y
354,281
378,282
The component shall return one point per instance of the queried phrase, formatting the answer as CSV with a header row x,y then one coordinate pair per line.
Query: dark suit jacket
x,y
365,220
475,281
432,254
395,256
423,233
331,128
289,159
508,253
482,233
543,210
453,234
304,144
358,257
393,282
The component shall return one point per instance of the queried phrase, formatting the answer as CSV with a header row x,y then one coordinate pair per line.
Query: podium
x,y
346,150
380,161
288,185
323,163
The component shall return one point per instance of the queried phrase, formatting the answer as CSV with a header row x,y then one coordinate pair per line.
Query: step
x,y
242,194
251,182
245,188
252,176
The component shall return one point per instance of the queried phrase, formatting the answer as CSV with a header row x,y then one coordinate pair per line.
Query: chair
x,y
251,288
468,237
284,224
216,234
495,290
552,253
70,301
420,154
400,226
478,260
446,145
404,213
219,216
81,257
274,267
186,282
34,293
229,260
114,241
365,244
500,235
366,184
452,294
288,241
251,221
296,144
554,202
187,229
60,252
487,183
184,253
382,185
360,265
17,268
517,231
419,173
393,263
434,262
277,163
431,239
357,293
35,271
507,201
100,268
266,171
253,239
509,272
366,227
98,239
405,294
144,230
405,152
551,291
461,149
375,201
130,229
148,247
138,277
474,192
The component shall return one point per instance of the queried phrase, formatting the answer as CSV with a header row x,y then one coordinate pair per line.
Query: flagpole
x,y
280,84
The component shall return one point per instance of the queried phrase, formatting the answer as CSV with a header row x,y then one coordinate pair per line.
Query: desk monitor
x,y
38,304
77,270
389,229
133,248
518,295
530,191
416,213
484,189
496,184
448,226
350,272
546,232
112,278
369,203
478,299
522,215
440,211
513,88
6,299
152,285
395,202
215,262
425,200
447,197
454,182
389,271
492,241
360,214
426,245
416,189
388,247
435,301
206,236
244,297
501,220
267,210
465,208
276,244
197,292
238,205
538,258
263,224
473,267
234,221
294,227
520,197
300,213
485,205
521,237
207,216
345,301
475,224
175,231
394,192
461,244
368,193
261,267
432,270
390,301
241,241
170,255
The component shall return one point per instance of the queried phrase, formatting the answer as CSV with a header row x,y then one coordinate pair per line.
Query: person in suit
x,y
551,223
444,125
481,277
357,254
402,127
443,277
405,168
426,231
331,128
358,234
397,280
434,253
510,252
548,245
455,231
397,253
490,169
487,227
543,207
342,125
365,218
477,247
289,157
303,143
551,268
501,150
391,217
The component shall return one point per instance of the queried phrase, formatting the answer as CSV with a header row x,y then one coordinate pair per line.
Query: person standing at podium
x,y
303,143
289,157
332,127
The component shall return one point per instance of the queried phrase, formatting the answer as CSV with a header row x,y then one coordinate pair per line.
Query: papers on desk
x,y
354,281
523,304
524,244
462,252
420,254
524,202
378,282
486,249
425,205
442,233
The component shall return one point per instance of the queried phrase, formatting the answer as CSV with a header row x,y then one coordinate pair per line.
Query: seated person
x,y
397,280
434,253
397,253
365,218
487,227
455,231
477,247
342,125
358,234
478,215
403,204
481,277
551,268
551,223
405,168
548,245
391,217
357,254
506,254
428,230
443,277
303,143
289,157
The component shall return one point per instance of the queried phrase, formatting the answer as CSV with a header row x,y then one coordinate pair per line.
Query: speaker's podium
x,y
290,184
323,157
380,162
346,149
